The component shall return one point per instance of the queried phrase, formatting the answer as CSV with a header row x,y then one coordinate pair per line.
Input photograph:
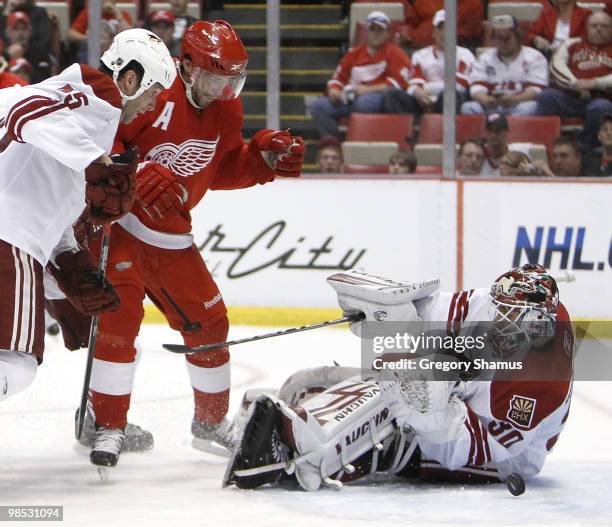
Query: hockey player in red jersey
x,y
189,144
55,137
332,425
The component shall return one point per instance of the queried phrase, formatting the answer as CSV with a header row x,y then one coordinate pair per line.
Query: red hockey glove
x,y
158,192
283,152
75,326
111,188
78,278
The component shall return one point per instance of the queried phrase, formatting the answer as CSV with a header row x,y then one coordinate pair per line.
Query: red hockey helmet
x,y
215,47
526,300
218,56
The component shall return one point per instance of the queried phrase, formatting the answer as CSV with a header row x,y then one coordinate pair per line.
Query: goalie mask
x,y
525,300
219,62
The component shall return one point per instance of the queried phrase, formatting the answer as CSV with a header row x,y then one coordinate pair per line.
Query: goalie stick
x,y
181,348
93,333
377,286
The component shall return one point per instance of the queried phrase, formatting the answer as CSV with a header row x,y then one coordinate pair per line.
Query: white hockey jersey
x,y
490,74
511,425
49,133
428,70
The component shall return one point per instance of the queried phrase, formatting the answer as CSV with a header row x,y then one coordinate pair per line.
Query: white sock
x,y
17,371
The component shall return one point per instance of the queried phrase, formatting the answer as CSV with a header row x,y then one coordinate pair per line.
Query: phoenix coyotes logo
x,y
186,159
521,411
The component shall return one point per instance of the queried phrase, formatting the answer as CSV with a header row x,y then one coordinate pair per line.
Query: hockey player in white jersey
x,y
331,425
55,137
507,78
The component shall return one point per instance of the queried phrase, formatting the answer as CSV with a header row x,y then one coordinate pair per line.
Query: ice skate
x,y
136,439
218,439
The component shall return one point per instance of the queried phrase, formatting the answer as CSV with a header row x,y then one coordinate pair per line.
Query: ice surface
x,y
177,486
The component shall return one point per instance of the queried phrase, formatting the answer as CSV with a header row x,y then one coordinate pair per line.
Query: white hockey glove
x,y
430,408
380,299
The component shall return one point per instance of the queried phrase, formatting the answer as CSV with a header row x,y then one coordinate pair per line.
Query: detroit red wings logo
x,y
186,159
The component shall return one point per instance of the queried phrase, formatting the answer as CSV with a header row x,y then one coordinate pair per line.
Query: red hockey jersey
x,y
204,149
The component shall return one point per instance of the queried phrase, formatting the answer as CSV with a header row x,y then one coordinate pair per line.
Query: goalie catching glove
x,y
158,192
110,188
78,278
379,299
283,152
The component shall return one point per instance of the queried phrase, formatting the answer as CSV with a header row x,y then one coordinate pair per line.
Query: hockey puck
x,y
515,484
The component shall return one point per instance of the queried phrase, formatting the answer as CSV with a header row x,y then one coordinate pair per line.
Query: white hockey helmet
x,y
149,51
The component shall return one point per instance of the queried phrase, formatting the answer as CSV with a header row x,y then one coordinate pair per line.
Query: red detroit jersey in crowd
x,y
189,142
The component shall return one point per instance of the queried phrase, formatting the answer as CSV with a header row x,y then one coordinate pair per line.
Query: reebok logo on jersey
x,y
214,300
186,159
521,411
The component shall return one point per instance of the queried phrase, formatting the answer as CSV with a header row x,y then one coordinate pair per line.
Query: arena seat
x,y
366,169
520,10
467,127
360,11
381,127
537,130
368,152
131,8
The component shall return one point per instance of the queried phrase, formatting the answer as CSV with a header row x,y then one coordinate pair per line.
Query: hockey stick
x,y
93,334
180,348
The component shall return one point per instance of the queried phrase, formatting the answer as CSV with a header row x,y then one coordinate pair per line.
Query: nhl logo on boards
x,y
521,411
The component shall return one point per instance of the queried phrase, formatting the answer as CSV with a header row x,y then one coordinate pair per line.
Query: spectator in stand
x,y
21,68
19,37
162,24
599,161
515,163
566,160
558,21
117,20
582,72
182,20
40,29
402,163
8,79
419,17
495,144
471,158
329,156
426,84
364,73
507,78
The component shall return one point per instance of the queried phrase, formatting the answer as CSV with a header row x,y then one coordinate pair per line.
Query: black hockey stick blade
x,y
93,333
181,348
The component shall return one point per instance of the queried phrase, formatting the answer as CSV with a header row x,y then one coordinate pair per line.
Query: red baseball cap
x,y
163,15
15,18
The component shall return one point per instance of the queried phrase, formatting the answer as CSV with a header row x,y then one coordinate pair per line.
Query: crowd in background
x,y
560,65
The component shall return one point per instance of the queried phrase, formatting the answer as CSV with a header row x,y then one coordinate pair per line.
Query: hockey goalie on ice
x,y
330,425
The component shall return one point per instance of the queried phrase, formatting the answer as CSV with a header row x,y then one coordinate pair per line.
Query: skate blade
x,y
210,447
103,474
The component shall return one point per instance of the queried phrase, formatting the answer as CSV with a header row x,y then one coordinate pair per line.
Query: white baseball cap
x,y
439,18
504,22
378,18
